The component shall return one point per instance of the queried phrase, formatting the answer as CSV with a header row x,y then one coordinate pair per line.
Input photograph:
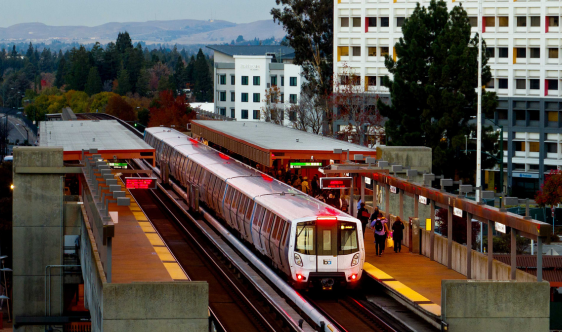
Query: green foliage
x,y
433,91
203,80
502,244
77,100
93,85
124,86
61,73
79,69
144,117
123,43
98,102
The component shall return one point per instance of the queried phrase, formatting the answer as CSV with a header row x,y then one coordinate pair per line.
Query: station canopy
x,y
109,137
265,142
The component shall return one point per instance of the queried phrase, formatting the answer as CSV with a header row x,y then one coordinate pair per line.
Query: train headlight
x,y
355,260
298,260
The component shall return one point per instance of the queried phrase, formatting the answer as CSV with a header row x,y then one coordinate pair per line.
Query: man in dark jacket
x,y
398,234
363,215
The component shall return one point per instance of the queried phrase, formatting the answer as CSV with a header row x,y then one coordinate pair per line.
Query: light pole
x,y
479,108
501,156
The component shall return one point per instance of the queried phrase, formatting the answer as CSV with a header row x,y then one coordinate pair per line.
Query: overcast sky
x,y
96,12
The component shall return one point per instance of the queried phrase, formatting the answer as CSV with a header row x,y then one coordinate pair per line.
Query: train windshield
x,y
305,238
347,239
307,233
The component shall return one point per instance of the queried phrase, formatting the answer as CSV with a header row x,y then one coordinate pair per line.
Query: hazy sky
x,y
96,12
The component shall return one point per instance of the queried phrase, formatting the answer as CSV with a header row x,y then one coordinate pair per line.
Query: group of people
x,y
300,182
380,226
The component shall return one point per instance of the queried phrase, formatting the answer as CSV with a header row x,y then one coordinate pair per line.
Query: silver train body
x,y
308,241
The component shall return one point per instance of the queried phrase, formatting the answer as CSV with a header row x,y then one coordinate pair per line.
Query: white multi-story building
x,y
244,75
523,39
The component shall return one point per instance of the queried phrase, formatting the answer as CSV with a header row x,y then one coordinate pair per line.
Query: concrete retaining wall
x,y
479,263
469,305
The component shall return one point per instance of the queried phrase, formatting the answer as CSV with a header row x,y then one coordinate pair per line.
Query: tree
x,y
118,107
124,86
61,73
203,81
98,102
309,26
274,110
551,190
79,69
308,113
167,111
93,85
433,92
123,42
239,39
144,117
142,83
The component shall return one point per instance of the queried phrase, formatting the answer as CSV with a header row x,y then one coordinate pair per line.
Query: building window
x,y
293,81
520,84
490,21
400,21
222,94
502,83
371,80
344,22
232,113
244,114
520,146
552,116
371,51
535,21
357,22
534,84
520,115
256,115
244,98
232,80
292,116
552,84
521,21
473,21
553,53
520,52
344,50
534,147
293,98
503,21
282,99
535,53
244,80
282,80
222,79
534,116
223,110
274,80
551,148
491,52
356,50
553,21
372,21
256,80
503,52
384,22
384,50
344,80
490,84
256,97
232,95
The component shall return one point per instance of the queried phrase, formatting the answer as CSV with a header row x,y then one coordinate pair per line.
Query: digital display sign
x,y
305,164
117,165
335,183
140,183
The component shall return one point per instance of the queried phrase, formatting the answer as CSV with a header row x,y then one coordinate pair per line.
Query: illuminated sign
x,y
368,180
500,227
393,190
457,212
118,165
335,183
140,183
423,200
305,164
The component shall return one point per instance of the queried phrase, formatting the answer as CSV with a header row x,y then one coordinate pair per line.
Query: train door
x,y
256,225
247,221
234,205
326,246
240,215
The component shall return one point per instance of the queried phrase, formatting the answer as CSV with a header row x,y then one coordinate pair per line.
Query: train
x,y
307,241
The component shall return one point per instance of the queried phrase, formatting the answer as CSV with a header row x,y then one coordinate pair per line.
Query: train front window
x,y
304,241
347,239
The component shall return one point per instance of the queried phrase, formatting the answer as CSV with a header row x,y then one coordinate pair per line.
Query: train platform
x,y
138,253
413,278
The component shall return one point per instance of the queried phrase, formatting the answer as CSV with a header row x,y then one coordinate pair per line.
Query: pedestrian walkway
x,y
414,277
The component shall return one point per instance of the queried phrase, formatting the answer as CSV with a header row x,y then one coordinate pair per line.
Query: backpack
x,y
378,225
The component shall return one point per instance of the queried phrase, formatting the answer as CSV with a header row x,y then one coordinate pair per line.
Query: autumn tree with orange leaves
x,y
117,106
168,111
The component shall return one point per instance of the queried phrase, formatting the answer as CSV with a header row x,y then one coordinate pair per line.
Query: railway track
x,y
233,303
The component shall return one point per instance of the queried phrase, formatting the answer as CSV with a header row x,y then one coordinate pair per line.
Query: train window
x,y
250,209
258,216
266,221
196,174
304,241
228,194
279,228
347,239
235,199
220,192
271,223
243,205
285,239
327,240
203,177
276,228
210,186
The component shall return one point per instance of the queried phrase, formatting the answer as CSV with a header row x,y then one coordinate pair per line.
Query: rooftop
x,y
286,52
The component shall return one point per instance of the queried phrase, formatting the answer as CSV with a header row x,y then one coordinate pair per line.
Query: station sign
x,y
336,183
393,190
118,165
367,180
457,212
422,200
500,227
140,183
305,164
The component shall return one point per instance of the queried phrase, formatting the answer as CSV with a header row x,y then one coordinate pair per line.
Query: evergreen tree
x,y
203,81
123,42
93,85
30,51
124,86
180,75
142,83
79,70
133,63
111,63
433,92
61,73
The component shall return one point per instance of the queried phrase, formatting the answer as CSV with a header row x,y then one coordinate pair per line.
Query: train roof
x,y
294,207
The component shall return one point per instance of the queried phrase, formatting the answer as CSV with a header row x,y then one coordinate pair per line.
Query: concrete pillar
x,y
387,202
416,207
539,259
490,249
450,238
363,189
432,232
513,254
469,246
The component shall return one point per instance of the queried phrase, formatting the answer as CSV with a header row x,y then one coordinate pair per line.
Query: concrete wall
x,y
147,307
479,262
37,232
416,157
495,306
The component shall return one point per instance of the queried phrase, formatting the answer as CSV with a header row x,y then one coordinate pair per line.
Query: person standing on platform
x,y
375,214
314,185
363,215
304,185
398,234
381,229
297,182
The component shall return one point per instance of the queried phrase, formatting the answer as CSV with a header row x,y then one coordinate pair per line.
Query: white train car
x,y
308,241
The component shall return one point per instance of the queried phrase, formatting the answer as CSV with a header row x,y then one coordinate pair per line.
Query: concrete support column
x,y
539,259
450,238
513,254
432,231
387,202
351,208
490,248
401,197
375,198
363,189
416,207
469,246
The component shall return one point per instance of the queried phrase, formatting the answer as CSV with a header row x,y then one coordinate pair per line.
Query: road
x,y
17,132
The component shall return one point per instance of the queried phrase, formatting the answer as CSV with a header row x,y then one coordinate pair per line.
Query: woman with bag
x,y
381,230
398,234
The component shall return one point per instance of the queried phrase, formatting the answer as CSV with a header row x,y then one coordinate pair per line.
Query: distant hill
x,y
176,31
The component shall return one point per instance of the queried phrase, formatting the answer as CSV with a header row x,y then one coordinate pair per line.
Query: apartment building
x,y
243,75
523,40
